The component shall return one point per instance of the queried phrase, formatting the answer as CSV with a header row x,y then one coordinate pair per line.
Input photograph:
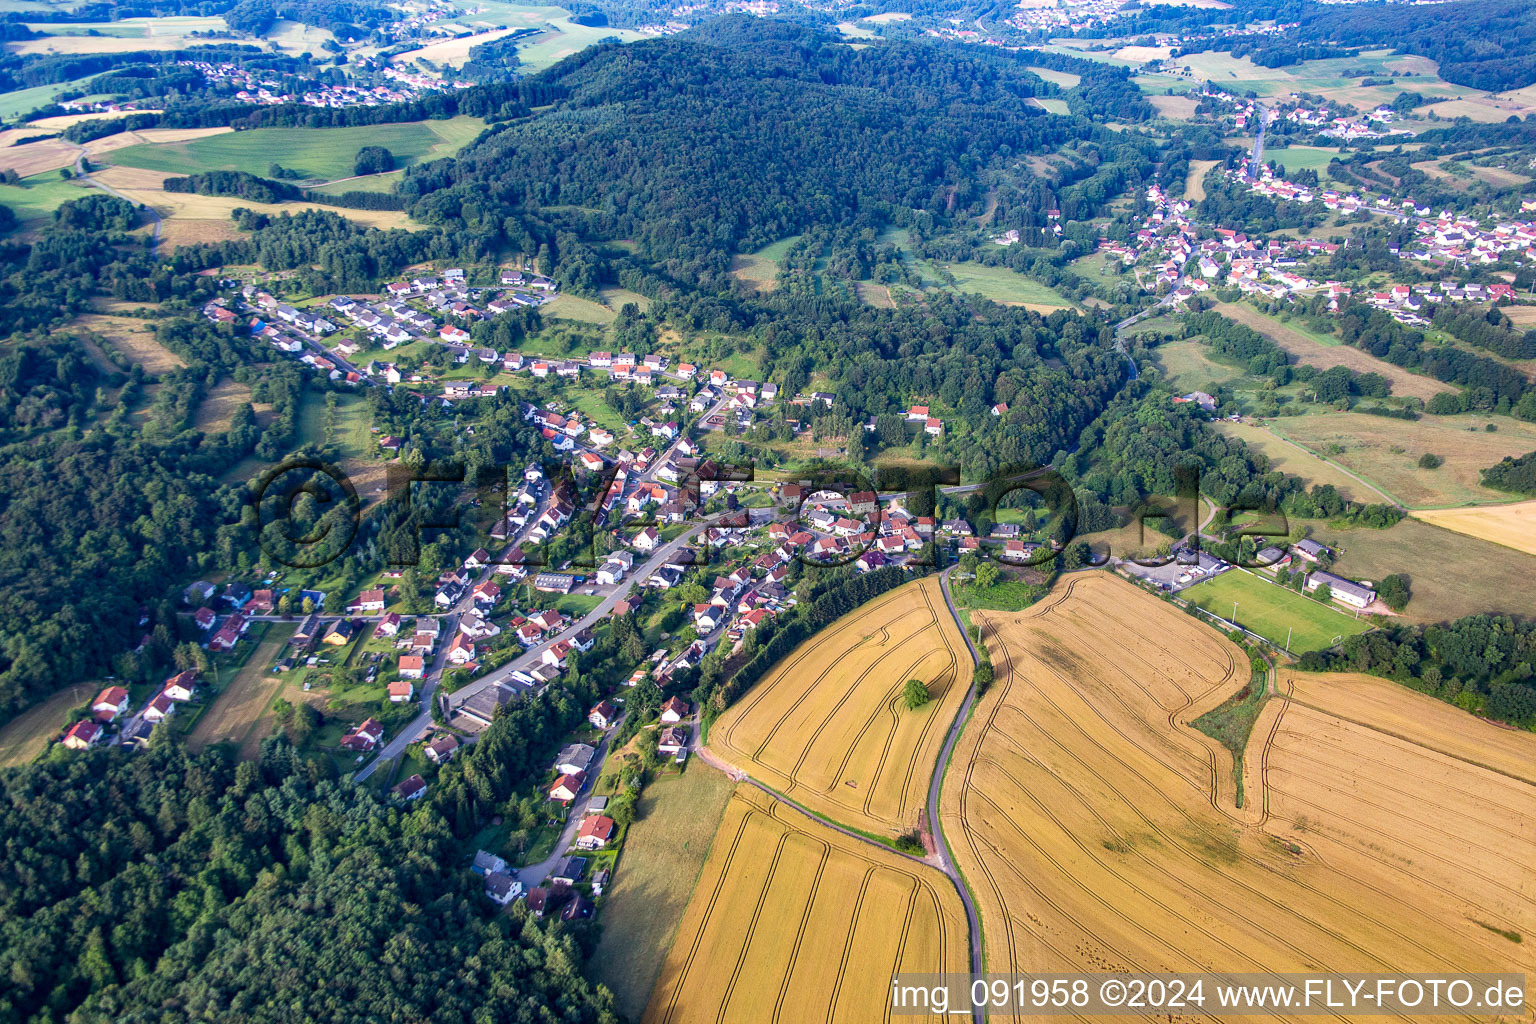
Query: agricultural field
x,y
1276,613
664,852
238,709
36,158
829,728
1452,574
794,921
191,218
1325,351
1386,452
453,51
126,35
1302,158
1051,106
1513,525
319,153
1099,831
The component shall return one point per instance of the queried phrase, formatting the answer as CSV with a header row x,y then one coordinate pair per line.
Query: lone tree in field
x,y
373,160
915,694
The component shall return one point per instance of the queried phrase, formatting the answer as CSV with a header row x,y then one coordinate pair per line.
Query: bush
x,y
1430,461
373,160
915,694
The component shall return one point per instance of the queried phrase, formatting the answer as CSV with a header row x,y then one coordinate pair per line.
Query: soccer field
x,y
1272,611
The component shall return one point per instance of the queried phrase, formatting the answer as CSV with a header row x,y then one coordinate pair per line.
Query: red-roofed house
x,y
568,787
365,737
82,734
110,703
595,832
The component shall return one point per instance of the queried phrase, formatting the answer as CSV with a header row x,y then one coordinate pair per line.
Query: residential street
x,y
533,874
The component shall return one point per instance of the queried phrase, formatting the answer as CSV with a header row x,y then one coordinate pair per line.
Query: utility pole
x,y
1288,631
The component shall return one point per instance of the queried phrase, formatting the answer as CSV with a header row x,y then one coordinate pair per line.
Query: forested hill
x,y
744,131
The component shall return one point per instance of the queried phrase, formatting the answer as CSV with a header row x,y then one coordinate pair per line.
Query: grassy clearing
x,y
319,153
1188,365
1273,611
574,307
243,702
24,101
134,338
1232,722
999,284
664,851
218,407
1065,79
27,735
1302,158
35,199
385,182
761,268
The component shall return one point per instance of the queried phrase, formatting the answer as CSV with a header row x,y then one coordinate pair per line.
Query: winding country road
x,y
82,174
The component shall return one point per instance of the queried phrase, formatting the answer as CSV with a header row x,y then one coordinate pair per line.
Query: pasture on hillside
x,y
1325,351
792,921
317,153
828,726
1387,451
1289,457
1098,830
242,702
1278,614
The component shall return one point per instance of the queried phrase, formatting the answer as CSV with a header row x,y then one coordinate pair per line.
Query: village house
x,y
673,740
568,787
401,691
440,750
595,832
110,703
82,734
674,710
413,788
364,737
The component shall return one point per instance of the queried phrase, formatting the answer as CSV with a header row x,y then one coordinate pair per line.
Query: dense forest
x,y
743,132
161,885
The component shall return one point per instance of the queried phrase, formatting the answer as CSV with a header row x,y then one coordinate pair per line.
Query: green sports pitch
x,y
1274,612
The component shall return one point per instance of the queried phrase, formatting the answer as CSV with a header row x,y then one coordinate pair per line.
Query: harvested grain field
x,y
37,157
452,51
1098,830
1513,526
829,728
793,921
1313,352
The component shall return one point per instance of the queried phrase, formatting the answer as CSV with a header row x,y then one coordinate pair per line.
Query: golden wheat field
x,y
829,727
792,921
1382,831
1513,526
